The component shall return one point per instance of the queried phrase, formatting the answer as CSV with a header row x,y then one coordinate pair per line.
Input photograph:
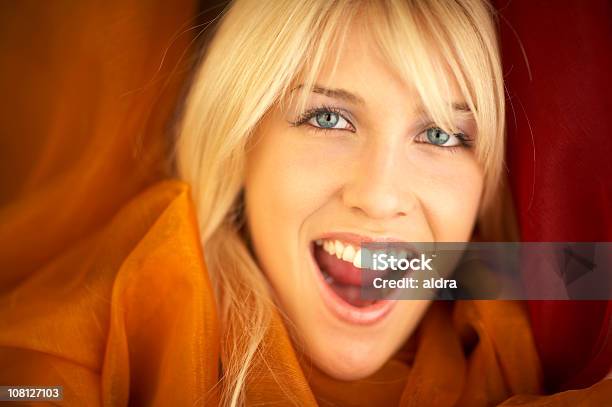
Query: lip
x,y
357,239
344,311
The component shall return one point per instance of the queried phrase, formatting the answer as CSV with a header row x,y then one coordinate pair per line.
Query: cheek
x,y
290,174
284,185
451,197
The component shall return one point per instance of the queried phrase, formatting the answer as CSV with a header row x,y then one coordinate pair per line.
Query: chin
x,y
350,362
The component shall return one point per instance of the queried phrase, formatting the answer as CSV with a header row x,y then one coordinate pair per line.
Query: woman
x,y
307,121
367,121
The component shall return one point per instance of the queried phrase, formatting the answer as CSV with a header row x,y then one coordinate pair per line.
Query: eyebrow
x,y
336,94
460,107
351,97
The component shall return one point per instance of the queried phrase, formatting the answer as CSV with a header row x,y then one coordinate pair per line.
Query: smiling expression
x,y
361,163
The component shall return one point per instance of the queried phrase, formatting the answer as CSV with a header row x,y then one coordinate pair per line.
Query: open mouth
x,y
342,266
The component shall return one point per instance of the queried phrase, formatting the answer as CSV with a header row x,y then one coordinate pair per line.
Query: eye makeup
x,y
335,115
309,114
462,139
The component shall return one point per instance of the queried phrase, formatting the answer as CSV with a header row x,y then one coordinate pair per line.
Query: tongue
x,y
348,280
351,294
344,272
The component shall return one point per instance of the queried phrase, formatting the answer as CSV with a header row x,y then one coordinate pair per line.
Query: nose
x,y
377,187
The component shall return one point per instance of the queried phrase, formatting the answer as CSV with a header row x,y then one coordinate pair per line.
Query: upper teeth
x,y
342,250
349,253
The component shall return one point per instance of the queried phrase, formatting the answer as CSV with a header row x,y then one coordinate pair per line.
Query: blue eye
x,y
440,138
327,119
437,136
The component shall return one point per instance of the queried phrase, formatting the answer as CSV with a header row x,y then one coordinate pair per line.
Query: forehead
x,y
357,64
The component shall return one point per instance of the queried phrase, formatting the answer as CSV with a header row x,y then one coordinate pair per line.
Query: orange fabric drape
x,y
104,289
88,92
127,316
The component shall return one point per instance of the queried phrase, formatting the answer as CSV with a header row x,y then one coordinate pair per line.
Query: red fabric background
x,y
557,64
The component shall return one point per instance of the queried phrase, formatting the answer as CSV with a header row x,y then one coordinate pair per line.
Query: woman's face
x,y
362,167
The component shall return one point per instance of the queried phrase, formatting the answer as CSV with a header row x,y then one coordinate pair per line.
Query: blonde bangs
x,y
435,45
330,30
432,45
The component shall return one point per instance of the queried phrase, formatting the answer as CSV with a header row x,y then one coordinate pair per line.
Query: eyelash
x,y
464,140
311,113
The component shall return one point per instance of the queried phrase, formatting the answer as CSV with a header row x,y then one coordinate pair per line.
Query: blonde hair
x,y
258,52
